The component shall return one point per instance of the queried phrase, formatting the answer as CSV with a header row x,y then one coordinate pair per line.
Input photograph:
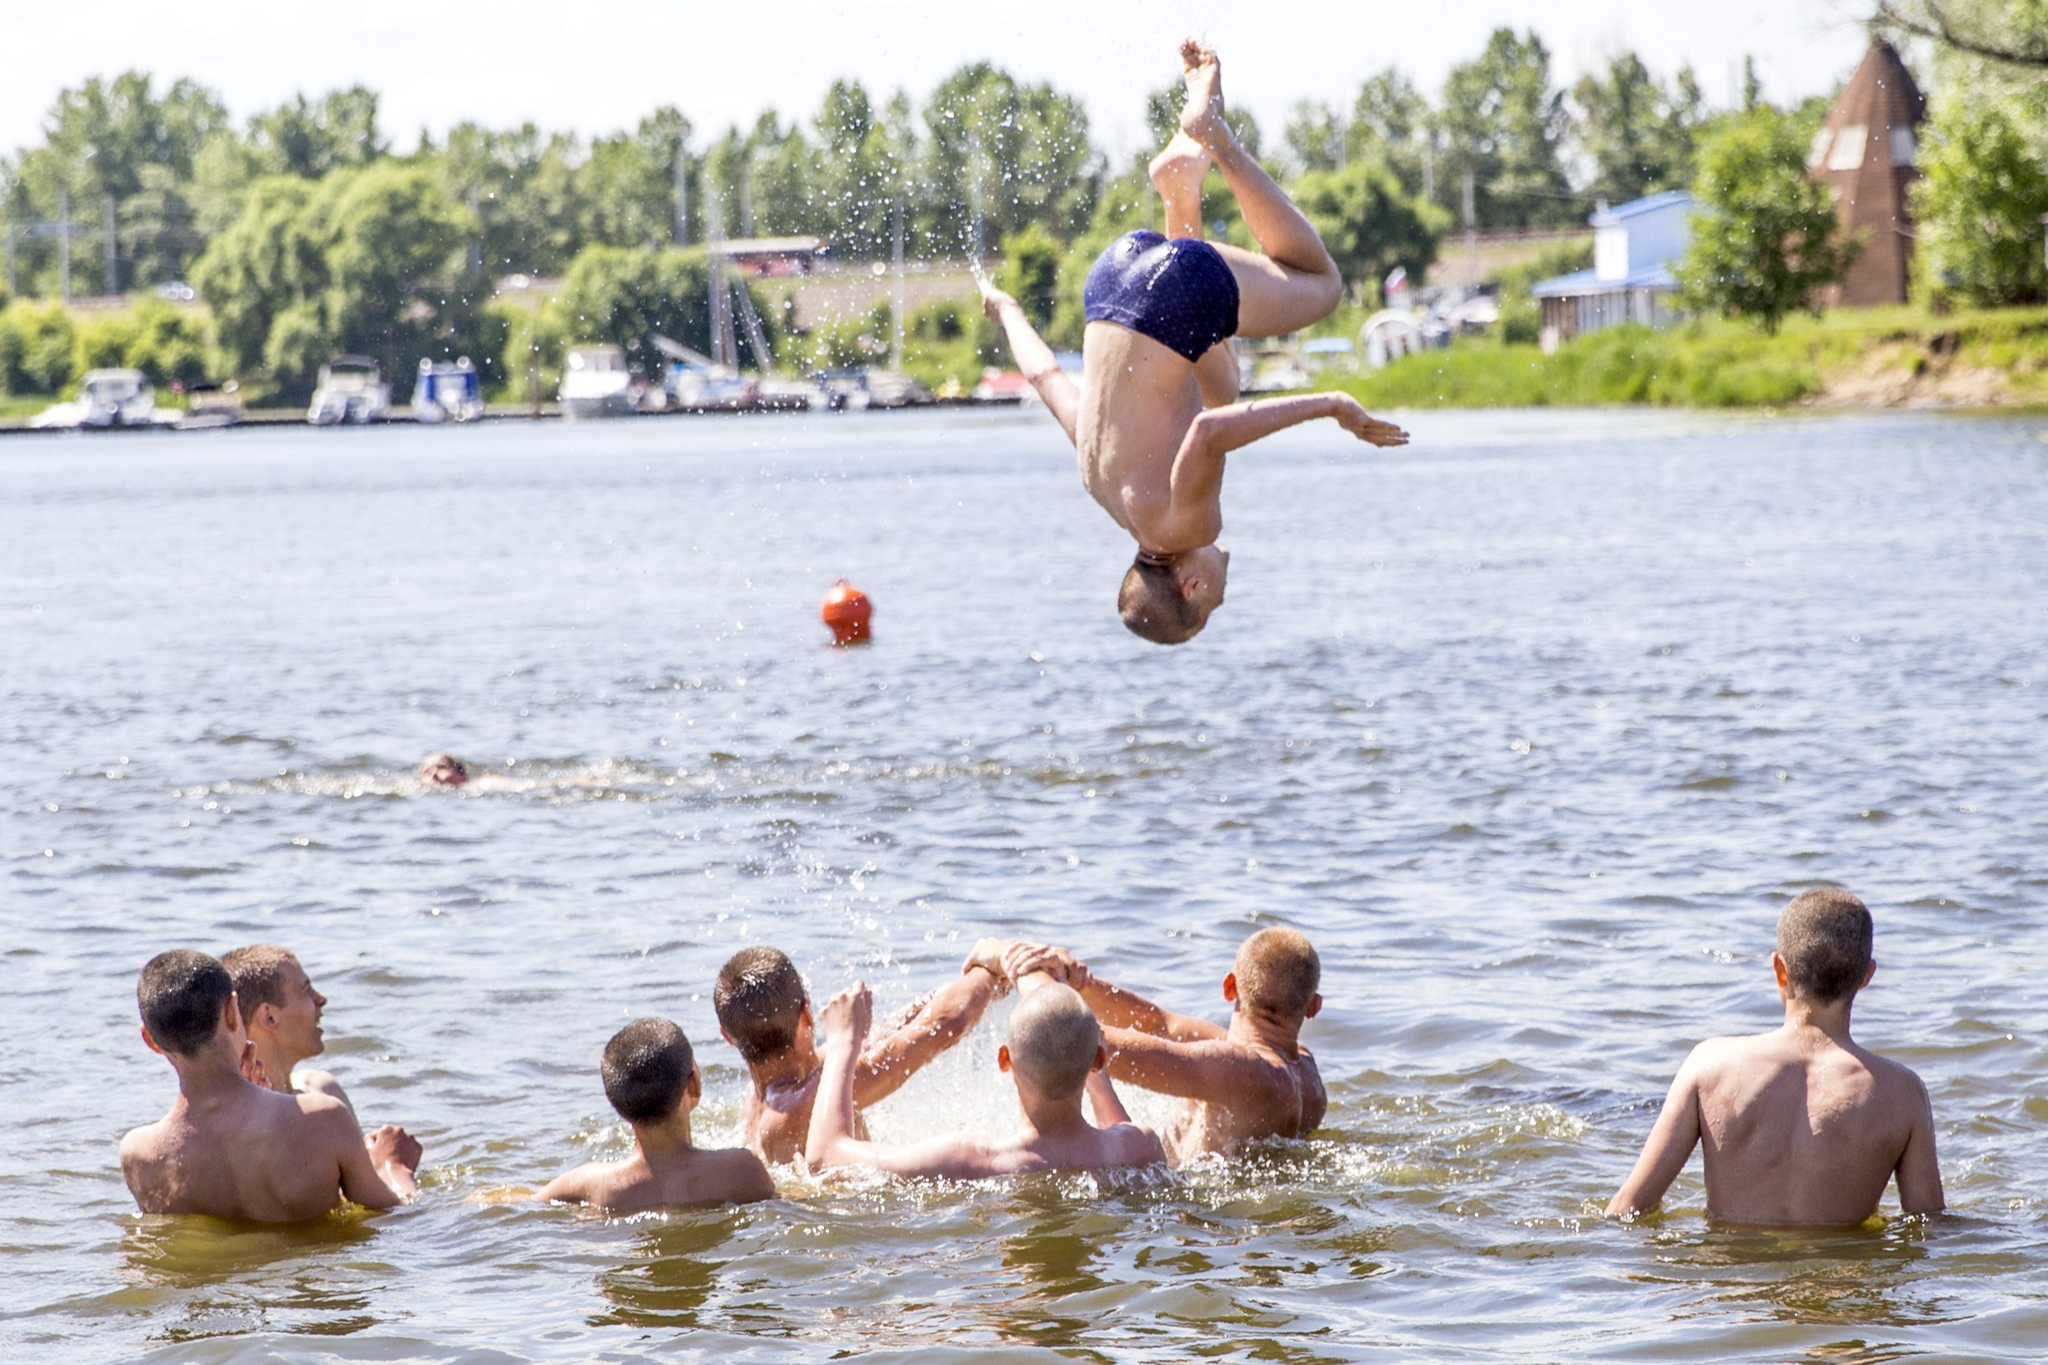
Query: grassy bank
x,y
1881,357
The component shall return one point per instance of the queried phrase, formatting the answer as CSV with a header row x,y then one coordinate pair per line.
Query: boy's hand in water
x,y
1364,425
994,300
393,1146
848,1014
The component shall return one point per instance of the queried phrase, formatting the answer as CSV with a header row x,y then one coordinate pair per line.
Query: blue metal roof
x,y
1589,282
1637,207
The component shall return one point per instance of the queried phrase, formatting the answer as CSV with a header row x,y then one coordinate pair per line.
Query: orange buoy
x,y
846,612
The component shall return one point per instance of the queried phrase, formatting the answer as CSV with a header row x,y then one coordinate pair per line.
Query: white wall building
x,y
1635,247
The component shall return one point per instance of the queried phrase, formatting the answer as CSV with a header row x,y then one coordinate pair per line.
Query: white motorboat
x,y
596,383
352,389
106,399
448,393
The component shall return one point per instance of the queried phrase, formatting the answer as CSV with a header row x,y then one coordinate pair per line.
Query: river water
x,y
1533,727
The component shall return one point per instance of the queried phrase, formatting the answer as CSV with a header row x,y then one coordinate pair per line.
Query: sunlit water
x,y
1532,726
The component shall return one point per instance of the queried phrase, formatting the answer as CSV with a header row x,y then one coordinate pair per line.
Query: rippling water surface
x,y
1533,727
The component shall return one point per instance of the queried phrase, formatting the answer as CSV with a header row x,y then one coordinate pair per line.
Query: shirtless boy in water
x,y
652,1080
1250,1079
236,1150
1055,1055
1156,412
1800,1125
280,1020
765,1013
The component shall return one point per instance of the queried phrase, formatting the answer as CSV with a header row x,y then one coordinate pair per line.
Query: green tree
x,y
1638,134
1369,223
1764,239
1505,123
309,139
1393,124
521,184
2012,33
625,295
627,187
1316,137
1981,199
153,337
367,260
1031,272
1021,153
37,346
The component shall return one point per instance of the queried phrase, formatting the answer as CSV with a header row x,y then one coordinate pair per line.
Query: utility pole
x,y
974,193
682,193
64,244
1471,231
896,307
113,244
725,348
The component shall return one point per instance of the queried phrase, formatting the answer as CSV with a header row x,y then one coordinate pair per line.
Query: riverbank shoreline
x,y
1849,361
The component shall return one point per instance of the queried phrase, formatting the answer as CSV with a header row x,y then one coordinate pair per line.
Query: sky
x,y
595,66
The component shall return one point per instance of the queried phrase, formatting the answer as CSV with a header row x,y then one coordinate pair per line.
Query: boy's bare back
x,y
261,1155
1795,1128
730,1175
1801,1124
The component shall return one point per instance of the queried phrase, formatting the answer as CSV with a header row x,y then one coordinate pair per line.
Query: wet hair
x,y
1152,605
1278,971
647,1067
1824,937
759,996
1053,1036
180,994
258,973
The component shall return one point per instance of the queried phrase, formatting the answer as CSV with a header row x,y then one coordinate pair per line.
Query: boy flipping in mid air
x,y
1800,1124
1156,412
652,1080
1054,1054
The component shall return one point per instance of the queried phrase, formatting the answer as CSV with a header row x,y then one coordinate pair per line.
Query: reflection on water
x,y
1531,726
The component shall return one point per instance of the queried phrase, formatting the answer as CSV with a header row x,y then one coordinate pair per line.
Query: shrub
x,y
1979,206
38,346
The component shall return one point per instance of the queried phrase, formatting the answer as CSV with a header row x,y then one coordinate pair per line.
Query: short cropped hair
x,y
647,1067
1278,970
1053,1037
759,996
181,994
1824,937
258,972
1152,605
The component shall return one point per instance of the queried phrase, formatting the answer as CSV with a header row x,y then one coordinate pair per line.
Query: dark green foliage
x,y
1031,272
1638,134
1763,241
153,337
1368,223
1504,121
1521,316
1980,205
37,346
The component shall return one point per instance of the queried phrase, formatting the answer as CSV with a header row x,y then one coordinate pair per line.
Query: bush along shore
x,y
1880,357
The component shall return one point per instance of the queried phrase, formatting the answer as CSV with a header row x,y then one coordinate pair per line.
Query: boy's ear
x,y
1867,975
1002,1056
151,1043
694,1090
1784,978
1101,1057
1190,585
231,1014
728,1039
1230,987
1315,1006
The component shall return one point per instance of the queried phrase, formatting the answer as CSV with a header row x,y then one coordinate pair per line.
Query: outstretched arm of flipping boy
x,y
1034,358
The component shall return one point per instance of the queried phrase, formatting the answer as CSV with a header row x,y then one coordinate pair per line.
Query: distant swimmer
x,y
280,1020
1155,412
652,1080
765,1013
1054,1053
231,1149
1250,1079
1798,1125
447,771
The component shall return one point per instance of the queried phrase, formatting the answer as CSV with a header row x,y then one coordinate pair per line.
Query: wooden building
x,y
1866,152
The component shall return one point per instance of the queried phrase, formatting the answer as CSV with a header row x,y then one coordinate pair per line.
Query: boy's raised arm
x,y
1034,358
1114,1006
949,1012
845,1019
1665,1152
